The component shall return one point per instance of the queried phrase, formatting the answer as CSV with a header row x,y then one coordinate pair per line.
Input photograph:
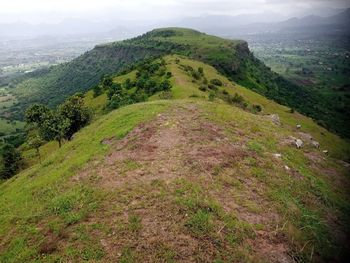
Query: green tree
x,y
113,89
107,82
35,142
37,114
128,84
46,121
11,159
54,128
97,90
72,116
165,85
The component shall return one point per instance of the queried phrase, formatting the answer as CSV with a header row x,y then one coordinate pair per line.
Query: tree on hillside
x,y
165,85
113,89
50,125
35,142
76,113
61,124
54,128
11,159
97,90
107,82
37,114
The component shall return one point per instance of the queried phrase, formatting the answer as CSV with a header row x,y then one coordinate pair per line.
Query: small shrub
x,y
216,82
196,75
211,96
237,98
225,92
169,75
257,108
201,71
212,87
203,88
187,68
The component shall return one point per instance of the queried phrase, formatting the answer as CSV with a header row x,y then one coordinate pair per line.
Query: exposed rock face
x,y
275,119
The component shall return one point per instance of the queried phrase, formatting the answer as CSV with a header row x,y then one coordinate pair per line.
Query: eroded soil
x,y
143,173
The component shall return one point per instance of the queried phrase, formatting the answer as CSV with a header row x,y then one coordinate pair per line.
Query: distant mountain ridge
x,y
231,57
229,25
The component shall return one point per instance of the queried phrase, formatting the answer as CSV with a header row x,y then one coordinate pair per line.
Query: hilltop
x,y
231,57
186,176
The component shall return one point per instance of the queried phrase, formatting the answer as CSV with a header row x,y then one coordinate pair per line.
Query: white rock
x,y
315,144
275,119
277,155
298,143
325,151
286,167
298,126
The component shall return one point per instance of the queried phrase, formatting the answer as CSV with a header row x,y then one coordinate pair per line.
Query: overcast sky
x,y
52,11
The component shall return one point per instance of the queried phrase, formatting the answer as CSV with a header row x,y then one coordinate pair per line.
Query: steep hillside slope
x,y
183,180
231,58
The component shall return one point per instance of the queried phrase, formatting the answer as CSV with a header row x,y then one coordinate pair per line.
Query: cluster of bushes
x,y
195,74
239,101
150,79
213,87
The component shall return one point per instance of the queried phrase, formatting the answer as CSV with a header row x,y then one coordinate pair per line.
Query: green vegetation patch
x,y
44,193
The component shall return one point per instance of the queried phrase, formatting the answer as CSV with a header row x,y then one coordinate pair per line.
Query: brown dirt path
x,y
178,144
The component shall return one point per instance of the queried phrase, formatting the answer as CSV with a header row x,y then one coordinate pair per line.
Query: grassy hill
x,y
182,180
231,58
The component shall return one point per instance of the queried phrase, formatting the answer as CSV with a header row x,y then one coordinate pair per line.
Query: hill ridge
x,y
190,178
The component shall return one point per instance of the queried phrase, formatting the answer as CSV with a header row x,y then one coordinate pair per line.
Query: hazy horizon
x,y
155,11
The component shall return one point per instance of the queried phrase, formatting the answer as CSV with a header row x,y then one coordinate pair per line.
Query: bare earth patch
x,y
178,144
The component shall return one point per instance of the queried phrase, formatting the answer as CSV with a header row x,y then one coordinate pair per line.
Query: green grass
x,y
313,196
134,223
47,202
184,88
44,193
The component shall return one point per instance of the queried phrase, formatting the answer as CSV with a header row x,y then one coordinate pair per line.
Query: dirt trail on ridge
x,y
178,144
